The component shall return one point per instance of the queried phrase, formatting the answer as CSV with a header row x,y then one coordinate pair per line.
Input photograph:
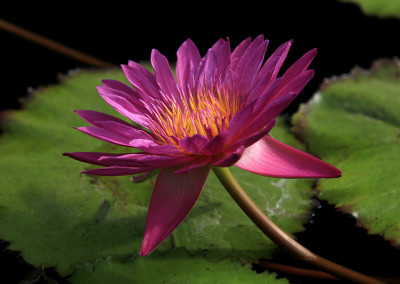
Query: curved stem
x,y
312,274
279,237
285,269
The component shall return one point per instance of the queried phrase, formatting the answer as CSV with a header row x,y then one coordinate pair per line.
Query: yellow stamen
x,y
206,113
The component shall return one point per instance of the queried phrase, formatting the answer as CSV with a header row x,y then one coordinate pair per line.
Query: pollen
x,y
207,112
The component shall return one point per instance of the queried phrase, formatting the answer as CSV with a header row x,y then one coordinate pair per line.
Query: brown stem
x,y
316,274
279,237
277,267
48,43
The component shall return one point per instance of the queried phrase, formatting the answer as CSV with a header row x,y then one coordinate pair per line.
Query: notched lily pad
x,y
175,267
354,124
57,217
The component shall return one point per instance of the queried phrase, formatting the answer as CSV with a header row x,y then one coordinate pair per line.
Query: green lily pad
x,y
57,217
354,123
381,8
175,267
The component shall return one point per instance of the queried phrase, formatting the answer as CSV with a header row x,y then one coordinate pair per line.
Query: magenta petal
x,y
142,79
152,147
216,144
105,135
118,171
90,157
194,144
124,107
250,140
241,119
276,60
229,159
238,52
193,166
143,177
117,85
269,157
120,89
187,64
132,97
296,85
113,124
250,63
164,76
222,55
265,116
172,199
146,160
206,71
93,117
300,65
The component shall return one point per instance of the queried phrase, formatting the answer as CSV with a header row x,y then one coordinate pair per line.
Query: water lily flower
x,y
217,112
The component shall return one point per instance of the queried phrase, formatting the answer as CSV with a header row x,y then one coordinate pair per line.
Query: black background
x,y
343,35
118,32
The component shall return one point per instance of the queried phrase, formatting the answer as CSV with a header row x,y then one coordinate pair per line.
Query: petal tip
x,y
338,173
143,252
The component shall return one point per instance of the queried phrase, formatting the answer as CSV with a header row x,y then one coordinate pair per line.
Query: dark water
x,y
344,36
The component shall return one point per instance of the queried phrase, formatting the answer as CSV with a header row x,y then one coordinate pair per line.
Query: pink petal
x,y
248,53
90,157
249,65
135,104
105,135
216,144
250,140
118,171
296,85
93,117
264,116
269,157
152,147
188,61
270,70
206,71
238,52
113,124
194,144
228,160
222,54
261,84
142,79
146,160
124,107
240,119
193,166
164,76
117,85
214,65
144,176
120,89
173,197
272,62
300,65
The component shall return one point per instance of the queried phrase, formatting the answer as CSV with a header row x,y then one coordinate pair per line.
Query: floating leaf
x,y
354,123
175,267
48,211
381,8
56,217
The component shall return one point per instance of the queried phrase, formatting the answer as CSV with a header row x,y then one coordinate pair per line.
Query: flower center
x,y
207,113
